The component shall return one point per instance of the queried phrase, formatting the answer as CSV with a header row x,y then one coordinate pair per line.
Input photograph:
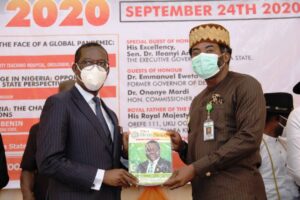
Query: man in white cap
x,y
292,133
278,183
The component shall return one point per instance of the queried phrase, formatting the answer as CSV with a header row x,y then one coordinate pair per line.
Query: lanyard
x,y
209,108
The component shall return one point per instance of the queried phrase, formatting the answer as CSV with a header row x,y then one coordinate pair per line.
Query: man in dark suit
x,y
3,167
154,164
79,144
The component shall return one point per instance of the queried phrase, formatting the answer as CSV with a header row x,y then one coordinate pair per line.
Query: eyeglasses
x,y
88,64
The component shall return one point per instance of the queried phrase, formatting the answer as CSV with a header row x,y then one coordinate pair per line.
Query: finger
x,y
171,179
123,182
131,179
175,186
175,138
129,175
174,147
125,134
170,183
175,173
170,133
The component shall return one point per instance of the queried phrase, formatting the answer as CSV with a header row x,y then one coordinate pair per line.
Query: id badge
x,y
208,130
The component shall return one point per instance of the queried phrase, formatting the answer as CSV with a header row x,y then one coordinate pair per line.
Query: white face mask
x,y
92,77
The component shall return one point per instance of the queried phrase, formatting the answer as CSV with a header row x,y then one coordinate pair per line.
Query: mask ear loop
x,y
280,124
283,117
77,66
107,71
223,61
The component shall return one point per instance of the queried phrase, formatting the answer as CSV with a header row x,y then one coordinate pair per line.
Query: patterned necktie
x,y
101,118
150,167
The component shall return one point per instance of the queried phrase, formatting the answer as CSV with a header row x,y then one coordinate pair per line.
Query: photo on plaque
x,y
150,155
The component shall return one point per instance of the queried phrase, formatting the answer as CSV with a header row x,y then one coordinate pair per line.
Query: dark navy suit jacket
x,y
72,145
28,163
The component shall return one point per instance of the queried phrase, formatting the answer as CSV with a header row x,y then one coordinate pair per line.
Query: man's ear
x,y
75,69
227,57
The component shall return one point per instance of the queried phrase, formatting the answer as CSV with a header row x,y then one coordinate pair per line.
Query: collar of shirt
x,y
280,139
154,162
269,139
88,97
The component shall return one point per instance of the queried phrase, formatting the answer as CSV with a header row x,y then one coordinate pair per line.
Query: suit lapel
x,y
116,128
90,115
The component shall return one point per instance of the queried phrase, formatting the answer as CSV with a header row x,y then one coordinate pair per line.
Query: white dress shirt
x,y
286,185
292,132
89,99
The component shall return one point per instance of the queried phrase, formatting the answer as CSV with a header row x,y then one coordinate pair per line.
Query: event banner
x,y
151,82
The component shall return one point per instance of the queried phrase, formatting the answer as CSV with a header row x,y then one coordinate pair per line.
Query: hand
x,y
28,196
125,136
119,177
177,143
27,180
180,177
